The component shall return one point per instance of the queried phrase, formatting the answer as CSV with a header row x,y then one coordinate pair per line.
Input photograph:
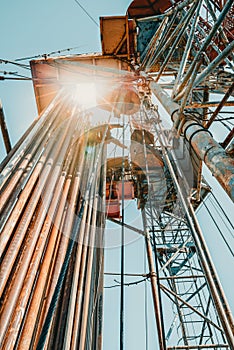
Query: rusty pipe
x,y
21,229
37,126
33,235
41,170
43,278
205,147
66,231
19,175
23,298
40,247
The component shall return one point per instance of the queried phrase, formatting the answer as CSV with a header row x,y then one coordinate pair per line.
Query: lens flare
x,y
84,95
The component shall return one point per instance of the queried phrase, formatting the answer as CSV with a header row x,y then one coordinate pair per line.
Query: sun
x,y
84,95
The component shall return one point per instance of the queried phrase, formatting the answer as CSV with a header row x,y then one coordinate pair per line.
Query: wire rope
x,y
45,55
122,250
146,309
221,217
221,233
25,66
222,210
87,13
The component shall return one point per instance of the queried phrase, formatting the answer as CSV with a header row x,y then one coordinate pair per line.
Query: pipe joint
x,y
196,132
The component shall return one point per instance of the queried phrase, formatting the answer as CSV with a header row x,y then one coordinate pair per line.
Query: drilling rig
x,y
130,125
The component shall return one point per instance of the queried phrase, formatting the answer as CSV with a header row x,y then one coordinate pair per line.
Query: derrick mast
x,y
100,142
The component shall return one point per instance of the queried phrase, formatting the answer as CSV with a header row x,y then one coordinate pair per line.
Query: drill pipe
x,y
33,234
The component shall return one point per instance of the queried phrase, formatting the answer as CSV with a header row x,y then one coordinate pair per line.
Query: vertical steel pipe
x,y
33,133
19,175
69,218
34,231
153,280
5,133
91,247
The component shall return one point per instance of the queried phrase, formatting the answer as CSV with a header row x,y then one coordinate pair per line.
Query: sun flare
x,y
85,95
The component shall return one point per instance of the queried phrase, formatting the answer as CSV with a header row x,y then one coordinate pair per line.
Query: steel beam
x,y
176,36
214,64
228,139
187,49
184,302
215,47
132,228
164,39
169,12
222,32
210,104
205,44
220,106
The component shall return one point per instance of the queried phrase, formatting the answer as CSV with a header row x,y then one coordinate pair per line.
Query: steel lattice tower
x,y
61,182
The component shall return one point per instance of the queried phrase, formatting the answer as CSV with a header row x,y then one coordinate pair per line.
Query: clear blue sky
x,y
30,28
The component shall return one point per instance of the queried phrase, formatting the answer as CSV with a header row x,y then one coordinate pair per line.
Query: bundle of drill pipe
x,y
50,173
